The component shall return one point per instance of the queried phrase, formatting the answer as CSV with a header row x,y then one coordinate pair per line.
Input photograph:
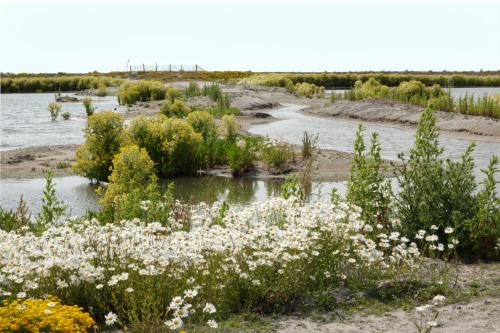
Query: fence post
x,y
156,67
143,68
170,68
196,68
130,69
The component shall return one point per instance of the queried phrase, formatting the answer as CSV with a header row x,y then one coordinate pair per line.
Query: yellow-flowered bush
x,y
43,315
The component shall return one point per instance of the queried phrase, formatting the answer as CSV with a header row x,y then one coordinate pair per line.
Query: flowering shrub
x,y
265,255
171,143
103,137
43,315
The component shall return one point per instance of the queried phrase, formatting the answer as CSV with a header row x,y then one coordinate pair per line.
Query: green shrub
x,y
54,108
66,115
103,137
172,94
367,187
87,104
52,208
203,123
443,194
175,109
141,91
309,145
240,156
230,127
223,102
289,86
308,89
193,89
213,91
101,88
277,154
171,143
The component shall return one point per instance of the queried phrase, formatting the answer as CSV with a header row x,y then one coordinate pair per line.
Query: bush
x,y
132,185
193,89
66,115
443,194
87,104
230,127
308,90
175,109
213,91
309,145
367,187
54,109
103,138
203,123
43,315
171,143
141,91
241,155
172,94
277,154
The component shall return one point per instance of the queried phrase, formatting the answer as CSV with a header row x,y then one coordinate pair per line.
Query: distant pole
x,y
130,69
170,68
156,67
143,67
196,68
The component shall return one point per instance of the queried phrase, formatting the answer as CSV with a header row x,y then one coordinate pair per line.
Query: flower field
x,y
204,268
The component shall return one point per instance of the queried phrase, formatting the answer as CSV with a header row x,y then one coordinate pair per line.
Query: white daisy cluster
x,y
259,247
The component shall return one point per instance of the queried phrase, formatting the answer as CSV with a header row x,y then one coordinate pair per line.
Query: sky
x,y
259,36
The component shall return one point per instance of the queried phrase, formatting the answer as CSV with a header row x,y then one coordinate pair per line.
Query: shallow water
x,y
339,134
80,195
25,121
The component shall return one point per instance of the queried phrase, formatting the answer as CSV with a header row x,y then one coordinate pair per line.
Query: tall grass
x,y
56,83
331,80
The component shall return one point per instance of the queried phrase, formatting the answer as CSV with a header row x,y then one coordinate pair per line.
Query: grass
x,y
31,83
392,79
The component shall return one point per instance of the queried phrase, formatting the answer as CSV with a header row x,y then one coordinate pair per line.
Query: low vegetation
x,y
141,91
30,84
54,109
347,80
435,97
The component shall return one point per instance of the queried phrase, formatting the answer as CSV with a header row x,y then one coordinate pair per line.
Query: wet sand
x,y
398,114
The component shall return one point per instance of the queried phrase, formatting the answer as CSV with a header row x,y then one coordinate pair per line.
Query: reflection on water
x,y
80,195
25,121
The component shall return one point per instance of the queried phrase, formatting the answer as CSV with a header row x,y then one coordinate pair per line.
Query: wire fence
x,y
166,68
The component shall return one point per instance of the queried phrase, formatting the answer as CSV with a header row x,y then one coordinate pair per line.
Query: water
x,y
339,134
80,195
477,91
25,121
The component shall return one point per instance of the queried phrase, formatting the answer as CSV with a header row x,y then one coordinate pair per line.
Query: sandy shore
x,y
33,162
479,314
403,115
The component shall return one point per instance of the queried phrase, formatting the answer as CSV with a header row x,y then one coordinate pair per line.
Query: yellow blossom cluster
x,y
43,315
